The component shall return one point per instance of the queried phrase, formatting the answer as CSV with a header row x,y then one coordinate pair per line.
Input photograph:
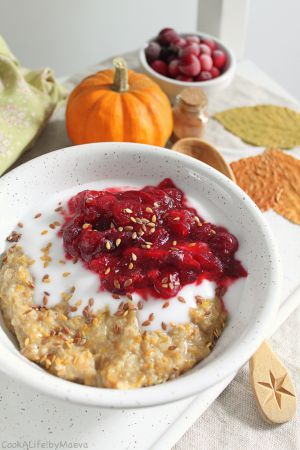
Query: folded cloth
x,y
27,100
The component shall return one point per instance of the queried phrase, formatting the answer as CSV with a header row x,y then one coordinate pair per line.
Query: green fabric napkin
x,y
27,100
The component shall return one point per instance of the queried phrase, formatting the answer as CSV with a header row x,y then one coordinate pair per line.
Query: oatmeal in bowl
x,y
114,286
162,271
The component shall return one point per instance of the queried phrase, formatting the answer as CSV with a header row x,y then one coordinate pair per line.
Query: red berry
x,y
153,51
206,62
189,65
173,68
210,43
177,44
204,49
203,76
184,78
189,49
192,39
160,67
219,58
215,72
167,35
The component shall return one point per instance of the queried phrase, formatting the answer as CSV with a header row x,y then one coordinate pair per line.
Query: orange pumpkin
x,y
119,105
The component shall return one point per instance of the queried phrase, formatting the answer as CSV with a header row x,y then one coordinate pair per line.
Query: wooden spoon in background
x,y
272,385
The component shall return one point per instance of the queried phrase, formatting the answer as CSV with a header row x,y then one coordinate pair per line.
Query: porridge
x,y
118,288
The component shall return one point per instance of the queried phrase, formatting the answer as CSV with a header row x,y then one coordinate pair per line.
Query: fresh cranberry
x,y
173,68
167,55
189,65
191,49
206,62
219,58
177,44
192,39
153,51
160,67
167,35
205,49
203,76
215,72
209,42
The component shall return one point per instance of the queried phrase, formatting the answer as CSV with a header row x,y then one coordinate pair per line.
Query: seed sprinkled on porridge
x,y
14,237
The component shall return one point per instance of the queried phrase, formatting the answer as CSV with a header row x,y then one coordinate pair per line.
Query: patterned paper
x,y
263,125
272,180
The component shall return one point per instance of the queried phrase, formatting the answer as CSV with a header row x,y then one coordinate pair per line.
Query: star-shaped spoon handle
x,y
272,385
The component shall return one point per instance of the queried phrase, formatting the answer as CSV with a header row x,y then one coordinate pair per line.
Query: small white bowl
x,y
173,87
251,308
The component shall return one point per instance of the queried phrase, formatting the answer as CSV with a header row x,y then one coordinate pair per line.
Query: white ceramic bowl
x,y
173,87
250,312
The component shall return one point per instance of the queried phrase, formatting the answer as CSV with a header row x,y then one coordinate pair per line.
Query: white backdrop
x,y
70,34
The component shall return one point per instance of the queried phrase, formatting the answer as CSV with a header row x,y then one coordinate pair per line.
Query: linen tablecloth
x,y
232,422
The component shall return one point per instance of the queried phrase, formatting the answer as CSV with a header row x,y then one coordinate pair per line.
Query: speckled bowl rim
x,y
183,386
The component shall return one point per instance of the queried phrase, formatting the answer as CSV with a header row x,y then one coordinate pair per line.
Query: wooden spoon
x,y
202,150
272,385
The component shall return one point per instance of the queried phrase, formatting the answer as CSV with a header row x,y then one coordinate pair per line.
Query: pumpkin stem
x,y
120,83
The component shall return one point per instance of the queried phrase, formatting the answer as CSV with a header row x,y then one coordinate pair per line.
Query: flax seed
x,y
146,323
181,299
117,284
140,304
151,317
116,296
37,215
66,274
165,305
44,232
164,326
172,347
128,282
14,237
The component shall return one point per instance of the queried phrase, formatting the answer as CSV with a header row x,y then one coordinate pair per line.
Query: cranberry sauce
x,y
148,241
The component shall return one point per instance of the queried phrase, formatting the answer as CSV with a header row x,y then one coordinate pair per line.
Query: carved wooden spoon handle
x,y
272,385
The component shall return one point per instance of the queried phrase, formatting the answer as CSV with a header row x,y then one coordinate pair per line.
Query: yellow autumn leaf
x,y
263,125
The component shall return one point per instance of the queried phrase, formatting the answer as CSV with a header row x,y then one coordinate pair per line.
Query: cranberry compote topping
x,y
148,241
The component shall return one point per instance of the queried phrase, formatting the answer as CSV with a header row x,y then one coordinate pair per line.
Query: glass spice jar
x,y
190,113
